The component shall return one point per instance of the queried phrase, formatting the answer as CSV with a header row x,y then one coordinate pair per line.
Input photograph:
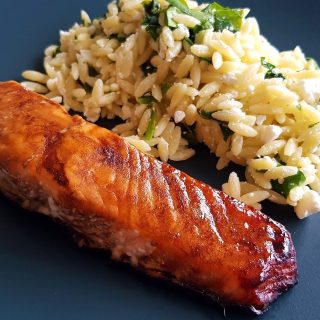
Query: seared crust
x,y
147,212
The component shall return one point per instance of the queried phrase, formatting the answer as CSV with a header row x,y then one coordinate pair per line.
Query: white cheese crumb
x,y
308,205
296,194
229,78
179,116
270,133
310,90
181,32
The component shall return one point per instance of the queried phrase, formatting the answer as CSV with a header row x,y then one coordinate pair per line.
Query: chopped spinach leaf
x,y
170,12
214,16
151,125
188,132
206,18
288,183
92,71
205,114
280,162
270,73
146,99
58,50
121,39
226,131
188,41
151,20
153,7
299,107
165,87
206,59
148,68
266,64
87,87
117,37
225,18
192,34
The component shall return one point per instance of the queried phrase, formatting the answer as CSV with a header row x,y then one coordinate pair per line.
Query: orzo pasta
x,y
175,71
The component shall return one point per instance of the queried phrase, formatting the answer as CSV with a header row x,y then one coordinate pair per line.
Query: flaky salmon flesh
x,y
143,211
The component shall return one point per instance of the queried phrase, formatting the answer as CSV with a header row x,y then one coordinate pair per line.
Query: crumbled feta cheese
x,y
309,172
179,116
181,32
308,205
269,133
309,89
296,193
229,78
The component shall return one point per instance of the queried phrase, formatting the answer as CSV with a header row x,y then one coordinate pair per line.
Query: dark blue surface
x,y
43,275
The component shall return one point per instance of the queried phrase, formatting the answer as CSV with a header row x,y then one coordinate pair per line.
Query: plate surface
x,y
43,275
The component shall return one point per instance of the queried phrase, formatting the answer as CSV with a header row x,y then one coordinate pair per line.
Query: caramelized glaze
x,y
146,212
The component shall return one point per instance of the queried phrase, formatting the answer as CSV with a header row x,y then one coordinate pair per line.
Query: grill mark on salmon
x,y
145,212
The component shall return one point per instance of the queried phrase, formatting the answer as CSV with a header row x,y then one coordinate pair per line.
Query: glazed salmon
x,y
145,212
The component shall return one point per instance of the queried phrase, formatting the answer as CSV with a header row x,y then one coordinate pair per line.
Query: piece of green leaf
x,y
270,73
148,68
154,7
58,50
280,162
146,99
92,71
214,16
188,132
226,131
188,41
205,114
87,87
151,125
117,37
192,32
288,183
206,59
151,20
266,64
152,26
170,12
165,87
226,18
205,18
299,106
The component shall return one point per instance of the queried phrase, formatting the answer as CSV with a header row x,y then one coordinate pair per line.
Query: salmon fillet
x,y
145,212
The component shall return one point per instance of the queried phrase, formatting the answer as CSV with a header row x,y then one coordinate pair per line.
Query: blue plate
x,y
44,275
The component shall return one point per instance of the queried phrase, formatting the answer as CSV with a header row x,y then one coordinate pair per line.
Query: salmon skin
x,y
145,212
